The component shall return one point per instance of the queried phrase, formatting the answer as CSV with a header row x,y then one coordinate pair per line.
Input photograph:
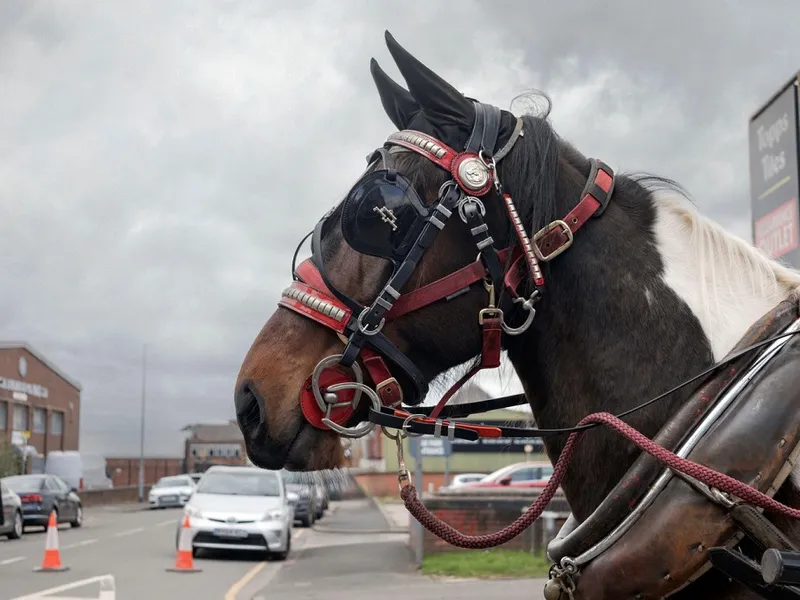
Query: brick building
x,y
213,444
37,399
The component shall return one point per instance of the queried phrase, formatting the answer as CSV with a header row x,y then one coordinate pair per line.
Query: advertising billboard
x,y
774,187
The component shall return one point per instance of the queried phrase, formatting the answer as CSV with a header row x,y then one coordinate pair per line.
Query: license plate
x,y
231,533
169,498
30,508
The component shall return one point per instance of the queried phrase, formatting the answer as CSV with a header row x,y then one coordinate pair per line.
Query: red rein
x,y
724,483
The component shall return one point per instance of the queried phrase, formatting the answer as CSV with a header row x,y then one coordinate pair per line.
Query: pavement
x,y
339,563
355,552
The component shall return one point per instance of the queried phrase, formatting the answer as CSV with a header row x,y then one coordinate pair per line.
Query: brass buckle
x,y
491,310
544,231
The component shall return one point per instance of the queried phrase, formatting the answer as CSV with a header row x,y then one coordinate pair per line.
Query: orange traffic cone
x,y
52,556
184,562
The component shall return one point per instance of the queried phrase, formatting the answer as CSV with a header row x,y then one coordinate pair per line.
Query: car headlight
x,y
193,511
273,515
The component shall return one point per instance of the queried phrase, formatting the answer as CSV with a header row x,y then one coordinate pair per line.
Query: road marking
x,y
128,532
163,523
239,585
83,543
8,561
107,589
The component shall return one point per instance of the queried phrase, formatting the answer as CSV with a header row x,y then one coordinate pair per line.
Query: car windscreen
x,y
24,485
172,482
240,484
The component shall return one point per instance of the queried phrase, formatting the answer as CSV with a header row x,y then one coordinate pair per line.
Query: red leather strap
x,y
329,321
490,352
434,150
309,273
441,288
484,431
557,237
515,275
389,390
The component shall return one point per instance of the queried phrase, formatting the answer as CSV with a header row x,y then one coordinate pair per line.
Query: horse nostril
x,y
250,409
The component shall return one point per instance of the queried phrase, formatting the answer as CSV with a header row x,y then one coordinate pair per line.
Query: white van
x,y
78,470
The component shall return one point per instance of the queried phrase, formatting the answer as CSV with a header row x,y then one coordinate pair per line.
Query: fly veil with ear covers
x,y
383,216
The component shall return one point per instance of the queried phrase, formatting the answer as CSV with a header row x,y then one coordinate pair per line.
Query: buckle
x,y
544,231
391,381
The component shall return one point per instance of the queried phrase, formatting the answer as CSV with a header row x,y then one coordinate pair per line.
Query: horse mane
x,y
535,168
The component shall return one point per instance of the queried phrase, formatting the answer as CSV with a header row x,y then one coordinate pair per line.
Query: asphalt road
x,y
123,554
132,546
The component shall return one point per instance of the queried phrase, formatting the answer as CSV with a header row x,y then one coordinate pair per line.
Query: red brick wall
x,y
385,484
480,515
154,469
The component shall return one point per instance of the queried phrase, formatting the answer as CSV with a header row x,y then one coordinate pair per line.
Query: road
x,y
133,548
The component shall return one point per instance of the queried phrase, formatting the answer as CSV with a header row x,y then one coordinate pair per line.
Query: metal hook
x,y
528,306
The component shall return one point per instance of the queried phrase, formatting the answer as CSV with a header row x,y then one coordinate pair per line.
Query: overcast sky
x,y
159,161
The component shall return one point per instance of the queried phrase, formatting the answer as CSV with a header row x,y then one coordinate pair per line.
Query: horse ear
x,y
439,100
398,102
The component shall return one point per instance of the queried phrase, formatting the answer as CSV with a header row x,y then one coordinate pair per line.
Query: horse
x,y
603,289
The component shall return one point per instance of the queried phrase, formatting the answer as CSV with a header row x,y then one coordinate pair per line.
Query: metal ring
x,y
393,436
363,329
407,422
445,185
321,366
469,200
569,565
527,305
359,430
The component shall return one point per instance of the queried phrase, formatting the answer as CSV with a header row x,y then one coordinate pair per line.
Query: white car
x,y
462,479
241,508
174,490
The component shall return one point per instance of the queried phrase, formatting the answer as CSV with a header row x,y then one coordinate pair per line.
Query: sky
x,y
159,161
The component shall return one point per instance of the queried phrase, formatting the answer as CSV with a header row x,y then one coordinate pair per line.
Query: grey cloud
x,y
160,161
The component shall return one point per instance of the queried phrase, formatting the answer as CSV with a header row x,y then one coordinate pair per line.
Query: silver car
x,y
240,508
12,513
173,490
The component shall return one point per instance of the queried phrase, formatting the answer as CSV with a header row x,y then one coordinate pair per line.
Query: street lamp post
x,y
141,426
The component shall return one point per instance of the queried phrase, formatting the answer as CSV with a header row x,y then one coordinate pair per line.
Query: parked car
x,y
79,470
523,474
12,526
305,510
41,494
462,479
321,500
241,508
173,490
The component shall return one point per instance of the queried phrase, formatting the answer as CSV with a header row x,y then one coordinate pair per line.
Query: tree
x,y
9,460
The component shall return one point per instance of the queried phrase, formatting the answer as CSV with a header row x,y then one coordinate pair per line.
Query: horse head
x,y
377,258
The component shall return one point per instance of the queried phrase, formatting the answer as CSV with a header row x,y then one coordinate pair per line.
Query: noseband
x,y
383,216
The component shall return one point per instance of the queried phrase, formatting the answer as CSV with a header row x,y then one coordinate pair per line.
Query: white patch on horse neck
x,y
726,282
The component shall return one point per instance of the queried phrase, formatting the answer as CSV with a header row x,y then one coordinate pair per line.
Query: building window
x,y
21,417
237,452
3,415
57,423
39,420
